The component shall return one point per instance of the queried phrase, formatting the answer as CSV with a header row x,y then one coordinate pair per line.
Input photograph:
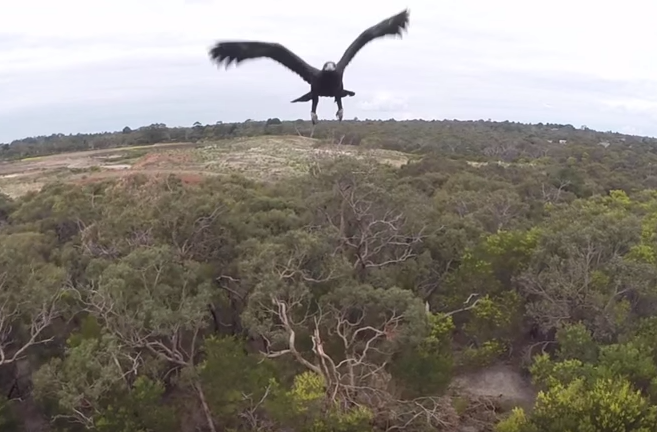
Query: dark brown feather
x,y
239,51
390,26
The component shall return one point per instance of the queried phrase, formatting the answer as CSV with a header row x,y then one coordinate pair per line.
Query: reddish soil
x,y
162,159
79,159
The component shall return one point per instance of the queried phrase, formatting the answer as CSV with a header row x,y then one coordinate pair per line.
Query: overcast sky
x,y
70,66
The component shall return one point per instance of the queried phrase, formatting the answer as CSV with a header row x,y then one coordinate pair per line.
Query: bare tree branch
x,y
13,310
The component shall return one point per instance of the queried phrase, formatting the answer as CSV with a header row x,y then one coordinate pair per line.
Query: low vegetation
x,y
246,277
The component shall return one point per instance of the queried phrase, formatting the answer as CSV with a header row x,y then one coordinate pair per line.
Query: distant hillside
x,y
481,140
260,158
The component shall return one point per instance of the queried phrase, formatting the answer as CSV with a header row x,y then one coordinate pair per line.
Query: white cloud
x,y
384,101
634,104
75,65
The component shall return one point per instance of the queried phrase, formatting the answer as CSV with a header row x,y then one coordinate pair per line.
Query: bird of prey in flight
x,y
326,82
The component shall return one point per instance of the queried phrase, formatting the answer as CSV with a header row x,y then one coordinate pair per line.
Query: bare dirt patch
x,y
20,177
498,381
80,160
172,158
264,158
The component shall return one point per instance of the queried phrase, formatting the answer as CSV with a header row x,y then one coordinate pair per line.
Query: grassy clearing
x,y
16,187
275,157
32,159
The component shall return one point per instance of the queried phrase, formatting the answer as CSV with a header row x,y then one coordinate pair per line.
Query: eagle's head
x,y
329,66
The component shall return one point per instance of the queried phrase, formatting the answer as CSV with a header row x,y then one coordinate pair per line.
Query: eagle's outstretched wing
x,y
390,26
244,50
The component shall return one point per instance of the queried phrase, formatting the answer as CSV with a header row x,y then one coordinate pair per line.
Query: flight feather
x,y
239,51
390,26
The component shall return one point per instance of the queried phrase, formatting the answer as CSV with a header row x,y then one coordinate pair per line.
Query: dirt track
x,y
84,159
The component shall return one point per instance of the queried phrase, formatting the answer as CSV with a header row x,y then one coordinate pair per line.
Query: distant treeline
x,y
508,141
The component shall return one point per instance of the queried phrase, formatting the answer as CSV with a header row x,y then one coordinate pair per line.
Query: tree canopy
x,y
346,299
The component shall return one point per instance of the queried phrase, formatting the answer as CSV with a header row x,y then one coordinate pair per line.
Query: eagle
x,y
326,82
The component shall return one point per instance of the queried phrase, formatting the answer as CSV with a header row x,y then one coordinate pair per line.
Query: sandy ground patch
x,y
266,158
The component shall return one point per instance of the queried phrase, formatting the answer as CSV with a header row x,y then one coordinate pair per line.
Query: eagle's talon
x,y
339,114
313,117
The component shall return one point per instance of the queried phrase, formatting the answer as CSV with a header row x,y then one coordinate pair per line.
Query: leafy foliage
x,y
347,299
